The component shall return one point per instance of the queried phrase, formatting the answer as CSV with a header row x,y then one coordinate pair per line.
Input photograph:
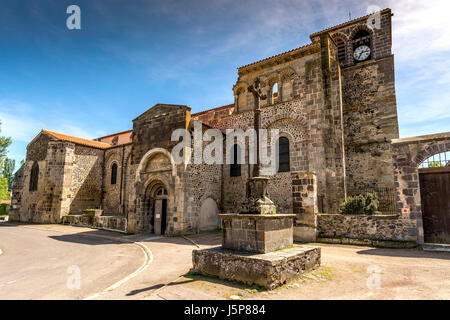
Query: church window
x,y
283,155
34,177
275,93
235,167
114,173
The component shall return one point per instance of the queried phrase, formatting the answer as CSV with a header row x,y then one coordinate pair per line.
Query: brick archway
x,y
408,154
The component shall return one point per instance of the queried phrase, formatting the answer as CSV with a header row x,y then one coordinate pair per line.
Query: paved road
x,y
36,258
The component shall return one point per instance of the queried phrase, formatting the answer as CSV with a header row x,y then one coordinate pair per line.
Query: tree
x,y
4,193
434,164
8,169
4,144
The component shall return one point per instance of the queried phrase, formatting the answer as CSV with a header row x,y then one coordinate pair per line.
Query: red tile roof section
x,y
120,138
228,106
85,142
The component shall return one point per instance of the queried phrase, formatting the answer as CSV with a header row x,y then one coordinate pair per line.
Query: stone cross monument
x,y
257,244
257,201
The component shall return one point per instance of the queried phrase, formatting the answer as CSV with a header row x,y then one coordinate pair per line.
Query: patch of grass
x,y
324,272
291,247
237,283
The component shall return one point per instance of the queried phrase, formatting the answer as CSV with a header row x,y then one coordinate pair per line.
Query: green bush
x,y
360,204
4,209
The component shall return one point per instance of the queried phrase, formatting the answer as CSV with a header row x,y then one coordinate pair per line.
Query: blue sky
x,y
130,55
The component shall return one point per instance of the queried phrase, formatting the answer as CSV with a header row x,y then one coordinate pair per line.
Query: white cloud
x,y
22,122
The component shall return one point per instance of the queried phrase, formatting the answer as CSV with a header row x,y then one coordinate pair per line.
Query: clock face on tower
x,y
361,53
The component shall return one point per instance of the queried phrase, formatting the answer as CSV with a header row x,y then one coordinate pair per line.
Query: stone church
x,y
333,101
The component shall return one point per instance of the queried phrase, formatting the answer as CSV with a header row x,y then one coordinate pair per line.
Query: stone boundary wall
x,y
376,227
112,223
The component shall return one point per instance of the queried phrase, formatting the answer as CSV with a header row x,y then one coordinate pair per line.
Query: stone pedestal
x,y
268,270
257,249
257,233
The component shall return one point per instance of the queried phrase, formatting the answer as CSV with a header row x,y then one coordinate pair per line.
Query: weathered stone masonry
x,y
338,114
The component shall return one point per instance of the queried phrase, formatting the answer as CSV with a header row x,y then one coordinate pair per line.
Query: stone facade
x,y
339,116
376,227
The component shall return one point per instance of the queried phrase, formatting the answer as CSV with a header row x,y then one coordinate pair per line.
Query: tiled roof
x,y
228,106
117,139
275,56
346,23
85,142
114,134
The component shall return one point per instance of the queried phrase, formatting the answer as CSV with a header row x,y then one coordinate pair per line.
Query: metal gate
x,y
435,198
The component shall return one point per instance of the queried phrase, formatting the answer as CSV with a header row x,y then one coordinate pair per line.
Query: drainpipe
x,y
102,195
122,182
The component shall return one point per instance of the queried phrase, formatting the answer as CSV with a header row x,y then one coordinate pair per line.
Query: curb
x,y
191,241
148,259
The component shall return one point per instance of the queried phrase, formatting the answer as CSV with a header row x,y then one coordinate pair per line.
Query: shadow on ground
x,y
193,277
157,286
111,237
406,253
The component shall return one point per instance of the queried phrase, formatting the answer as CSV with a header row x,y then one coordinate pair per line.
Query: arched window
x,y
361,40
437,161
284,164
275,93
235,167
114,173
34,177
161,192
340,44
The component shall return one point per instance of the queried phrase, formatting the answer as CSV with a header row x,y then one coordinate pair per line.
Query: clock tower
x,y
364,52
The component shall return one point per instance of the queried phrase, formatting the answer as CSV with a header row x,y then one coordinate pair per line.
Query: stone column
x,y
304,195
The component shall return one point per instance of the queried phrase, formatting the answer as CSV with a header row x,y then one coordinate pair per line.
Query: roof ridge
x,y
114,134
82,141
347,22
279,54
216,108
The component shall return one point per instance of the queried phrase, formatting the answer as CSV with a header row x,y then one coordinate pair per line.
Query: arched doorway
x,y
434,178
209,215
155,208
422,183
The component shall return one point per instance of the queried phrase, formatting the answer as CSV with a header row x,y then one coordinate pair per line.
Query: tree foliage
x,y
8,171
5,142
4,193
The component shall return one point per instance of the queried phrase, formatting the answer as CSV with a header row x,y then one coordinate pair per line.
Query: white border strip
x,y
147,262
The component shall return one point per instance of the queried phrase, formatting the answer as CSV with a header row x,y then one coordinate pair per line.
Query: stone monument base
x,y
268,270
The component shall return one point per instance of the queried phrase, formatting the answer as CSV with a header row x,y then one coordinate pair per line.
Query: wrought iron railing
x,y
386,196
437,161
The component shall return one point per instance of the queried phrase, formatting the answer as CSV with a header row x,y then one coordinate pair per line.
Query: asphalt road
x,y
44,263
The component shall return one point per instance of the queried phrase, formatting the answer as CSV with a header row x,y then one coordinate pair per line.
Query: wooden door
x,y
435,197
